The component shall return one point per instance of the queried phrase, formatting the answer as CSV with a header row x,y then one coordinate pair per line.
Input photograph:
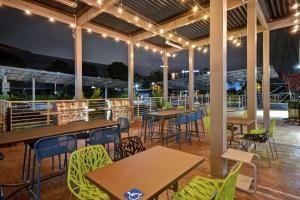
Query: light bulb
x,y
136,19
230,38
146,47
27,12
154,50
120,10
149,25
51,19
199,48
138,44
117,39
179,39
195,9
297,13
161,31
205,17
99,2
104,35
170,35
89,30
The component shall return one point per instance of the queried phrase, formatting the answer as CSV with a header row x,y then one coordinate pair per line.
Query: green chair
x,y
81,162
207,189
206,125
244,114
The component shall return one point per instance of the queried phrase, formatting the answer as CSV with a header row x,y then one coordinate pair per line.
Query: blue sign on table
x,y
133,194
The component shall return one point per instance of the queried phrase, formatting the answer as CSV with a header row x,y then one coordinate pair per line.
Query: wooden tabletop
x,y
36,133
238,155
151,171
168,113
239,121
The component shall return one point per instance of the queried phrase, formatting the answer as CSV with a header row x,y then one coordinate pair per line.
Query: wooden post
x,y
191,78
78,62
266,77
251,59
218,68
131,78
165,76
33,88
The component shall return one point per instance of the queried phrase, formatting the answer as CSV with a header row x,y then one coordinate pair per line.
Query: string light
x,y
170,35
295,6
161,52
205,17
230,38
51,19
199,48
193,46
154,50
234,41
120,10
146,47
205,50
138,45
136,19
174,55
296,21
99,2
161,31
72,25
186,43
117,39
128,42
149,25
297,14
27,12
104,35
89,30
195,9
168,54
179,39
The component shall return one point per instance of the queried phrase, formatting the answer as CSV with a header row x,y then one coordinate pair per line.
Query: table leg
x,y
162,122
175,186
145,130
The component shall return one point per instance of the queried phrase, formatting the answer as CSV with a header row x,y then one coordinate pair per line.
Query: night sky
x,y
38,35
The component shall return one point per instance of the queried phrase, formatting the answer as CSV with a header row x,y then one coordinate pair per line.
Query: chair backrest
x,y
227,189
272,127
83,161
127,147
199,114
244,114
181,119
124,123
191,117
206,124
51,146
104,136
207,111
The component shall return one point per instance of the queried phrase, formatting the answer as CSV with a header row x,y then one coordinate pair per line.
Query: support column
x,y
251,59
5,85
165,76
106,92
78,62
266,77
218,76
191,78
131,78
33,88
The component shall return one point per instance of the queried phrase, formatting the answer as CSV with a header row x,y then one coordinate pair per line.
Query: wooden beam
x,y
282,23
154,29
261,16
186,19
69,3
218,73
78,62
131,78
266,77
95,10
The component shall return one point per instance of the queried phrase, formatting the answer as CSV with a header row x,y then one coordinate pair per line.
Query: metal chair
x,y
181,120
81,162
192,118
127,147
49,147
81,135
104,136
124,124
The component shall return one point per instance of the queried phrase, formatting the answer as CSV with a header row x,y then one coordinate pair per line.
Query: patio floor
x,y
279,182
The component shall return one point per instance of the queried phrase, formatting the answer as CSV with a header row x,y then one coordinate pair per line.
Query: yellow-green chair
x,y
244,114
206,125
206,189
81,162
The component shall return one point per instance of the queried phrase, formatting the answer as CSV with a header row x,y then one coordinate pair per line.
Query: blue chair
x,y
192,118
124,124
181,120
104,136
49,147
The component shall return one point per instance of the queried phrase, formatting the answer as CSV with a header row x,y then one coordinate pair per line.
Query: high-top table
x,y
151,172
162,116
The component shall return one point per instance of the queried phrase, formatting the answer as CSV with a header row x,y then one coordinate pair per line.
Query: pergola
x,y
168,26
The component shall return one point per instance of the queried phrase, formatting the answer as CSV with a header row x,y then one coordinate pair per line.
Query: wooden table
x,y
240,122
162,116
37,133
152,172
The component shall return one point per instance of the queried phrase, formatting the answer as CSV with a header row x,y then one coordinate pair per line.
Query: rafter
x,y
261,16
95,10
282,23
69,3
186,19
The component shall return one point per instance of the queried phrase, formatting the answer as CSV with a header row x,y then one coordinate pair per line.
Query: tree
x,y
96,93
60,66
118,70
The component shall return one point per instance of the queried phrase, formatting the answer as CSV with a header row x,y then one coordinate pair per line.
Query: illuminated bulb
x,y
149,25
161,31
138,44
193,46
297,13
238,44
51,19
168,54
72,25
104,35
186,43
174,55
199,48
230,38
117,39
205,50
170,35
27,12
296,26
89,30
234,41
296,21
205,17
161,52
295,6
120,10
294,30
128,42
99,2
179,39
195,9
136,19
154,50
146,47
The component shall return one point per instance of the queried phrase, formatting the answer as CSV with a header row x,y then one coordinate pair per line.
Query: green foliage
x,y
118,70
167,106
96,93
60,66
157,93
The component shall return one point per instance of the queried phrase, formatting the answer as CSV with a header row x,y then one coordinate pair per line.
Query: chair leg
x,y
24,162
28,164
271,149
275,147
268,154
38,182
